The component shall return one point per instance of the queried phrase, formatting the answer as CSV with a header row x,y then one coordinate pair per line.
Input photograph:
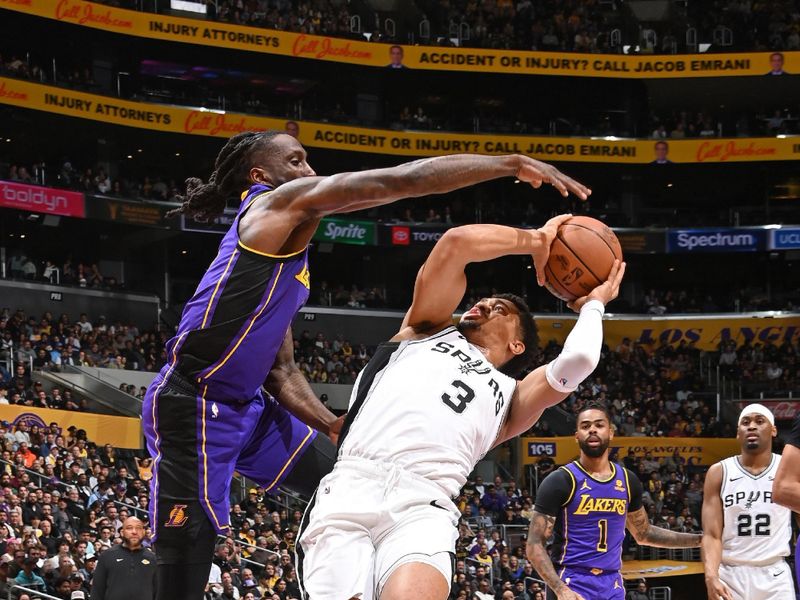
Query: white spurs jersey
x,y
432,406
756,530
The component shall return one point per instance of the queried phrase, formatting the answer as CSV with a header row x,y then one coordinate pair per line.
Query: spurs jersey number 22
x,y
756,530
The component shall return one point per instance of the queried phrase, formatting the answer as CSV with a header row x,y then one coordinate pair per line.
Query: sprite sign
x,y
344,231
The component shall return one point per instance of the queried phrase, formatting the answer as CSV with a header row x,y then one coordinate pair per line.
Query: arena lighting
x,y
188,6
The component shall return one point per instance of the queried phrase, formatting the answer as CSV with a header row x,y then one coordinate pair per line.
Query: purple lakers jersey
x,y
233,326
590,526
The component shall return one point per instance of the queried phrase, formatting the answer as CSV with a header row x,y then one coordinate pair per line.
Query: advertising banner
x,y
344,231
220,225
316,47
784,410
189,120
411,234
50,201
716,240
704,333
122,432
785,238
696,451
638,241
128,212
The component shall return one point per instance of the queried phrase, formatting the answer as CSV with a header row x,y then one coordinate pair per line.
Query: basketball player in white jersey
x,y
428,406
745,534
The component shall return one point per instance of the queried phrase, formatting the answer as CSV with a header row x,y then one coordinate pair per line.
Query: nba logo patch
x,y
177,516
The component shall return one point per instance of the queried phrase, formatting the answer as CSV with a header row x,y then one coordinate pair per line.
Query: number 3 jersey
x,y
433,407
756,530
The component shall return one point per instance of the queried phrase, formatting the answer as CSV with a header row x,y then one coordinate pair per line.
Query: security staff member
x,y
127,571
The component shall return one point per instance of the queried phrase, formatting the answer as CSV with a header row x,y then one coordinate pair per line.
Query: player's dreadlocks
x,y
205,201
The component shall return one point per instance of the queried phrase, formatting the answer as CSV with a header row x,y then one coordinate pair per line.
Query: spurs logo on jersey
x,y
756,530
433,406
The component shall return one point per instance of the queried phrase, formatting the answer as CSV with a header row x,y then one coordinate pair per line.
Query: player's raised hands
x,y
537,172
604,292
717,590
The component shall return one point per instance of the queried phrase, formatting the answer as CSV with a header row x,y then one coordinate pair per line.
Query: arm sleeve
x,y
581,351
794,434
636,492
553,493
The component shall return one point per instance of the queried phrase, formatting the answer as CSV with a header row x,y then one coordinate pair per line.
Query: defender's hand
x,y
604,292
537,172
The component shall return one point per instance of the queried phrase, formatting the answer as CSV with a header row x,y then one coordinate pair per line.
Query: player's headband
x,y
758,409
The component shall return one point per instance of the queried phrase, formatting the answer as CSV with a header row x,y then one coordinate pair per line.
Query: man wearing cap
x,y
745,534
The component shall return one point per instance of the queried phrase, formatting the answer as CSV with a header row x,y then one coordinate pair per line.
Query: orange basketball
x,y
581,257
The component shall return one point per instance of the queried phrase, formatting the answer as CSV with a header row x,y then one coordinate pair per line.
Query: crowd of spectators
x,y
329,361
48,343
683,124
649,391
77,273
569,26
352,297
71,73
63,502
761,367
694,301
92,180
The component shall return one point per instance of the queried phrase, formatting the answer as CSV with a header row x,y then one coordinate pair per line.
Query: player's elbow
x,y
452,247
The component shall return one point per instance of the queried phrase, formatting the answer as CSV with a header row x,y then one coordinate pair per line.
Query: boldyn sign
x,y
343,231
716,240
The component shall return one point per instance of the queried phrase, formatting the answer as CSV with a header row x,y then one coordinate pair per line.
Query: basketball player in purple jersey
x,y
205,414
786,487
587,505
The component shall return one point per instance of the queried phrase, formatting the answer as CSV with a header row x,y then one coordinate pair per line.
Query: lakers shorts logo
x,y
177,516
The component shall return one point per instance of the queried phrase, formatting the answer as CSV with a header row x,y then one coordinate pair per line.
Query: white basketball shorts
x,y
365,520
768,582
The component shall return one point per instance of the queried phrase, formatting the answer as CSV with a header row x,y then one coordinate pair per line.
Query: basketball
x,y
581,257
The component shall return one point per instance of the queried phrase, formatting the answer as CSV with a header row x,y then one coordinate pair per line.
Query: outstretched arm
x,y
712,534
320,196
291,389
647,534
287,218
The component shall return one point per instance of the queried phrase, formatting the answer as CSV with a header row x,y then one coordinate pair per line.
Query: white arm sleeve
x,y
581,351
